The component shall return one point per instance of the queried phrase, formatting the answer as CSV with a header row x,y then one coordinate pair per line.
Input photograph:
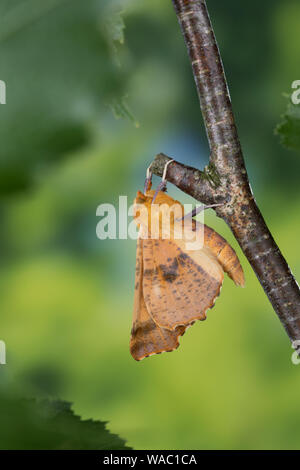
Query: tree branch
x,y
201,185
225,179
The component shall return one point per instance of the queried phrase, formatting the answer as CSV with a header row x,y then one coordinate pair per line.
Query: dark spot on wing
x,y
170,271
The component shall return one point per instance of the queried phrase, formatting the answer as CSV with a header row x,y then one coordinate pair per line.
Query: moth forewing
x,y
147,338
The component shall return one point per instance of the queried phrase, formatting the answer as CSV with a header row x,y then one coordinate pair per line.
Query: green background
x,y
65,296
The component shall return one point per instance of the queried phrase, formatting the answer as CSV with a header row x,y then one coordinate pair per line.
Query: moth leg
x,y
163,184
148,180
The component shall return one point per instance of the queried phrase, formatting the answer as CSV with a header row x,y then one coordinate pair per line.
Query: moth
x,y
174,284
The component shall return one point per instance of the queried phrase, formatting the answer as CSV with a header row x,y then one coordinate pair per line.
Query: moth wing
x,y
148,338
178,286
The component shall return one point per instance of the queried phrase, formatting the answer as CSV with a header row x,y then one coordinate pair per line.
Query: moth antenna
x,y
197,210
162,185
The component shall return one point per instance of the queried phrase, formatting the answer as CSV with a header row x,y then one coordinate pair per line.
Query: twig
x,y
225,179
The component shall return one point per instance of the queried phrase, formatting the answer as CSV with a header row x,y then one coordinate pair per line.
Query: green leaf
x,y
31,424
59,66
289,128
121,109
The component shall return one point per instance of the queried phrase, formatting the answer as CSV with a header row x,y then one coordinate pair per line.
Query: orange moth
x,y
175,283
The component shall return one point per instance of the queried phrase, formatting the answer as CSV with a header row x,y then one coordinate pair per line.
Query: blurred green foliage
x,y
66,297
289,128
28,424
57,60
